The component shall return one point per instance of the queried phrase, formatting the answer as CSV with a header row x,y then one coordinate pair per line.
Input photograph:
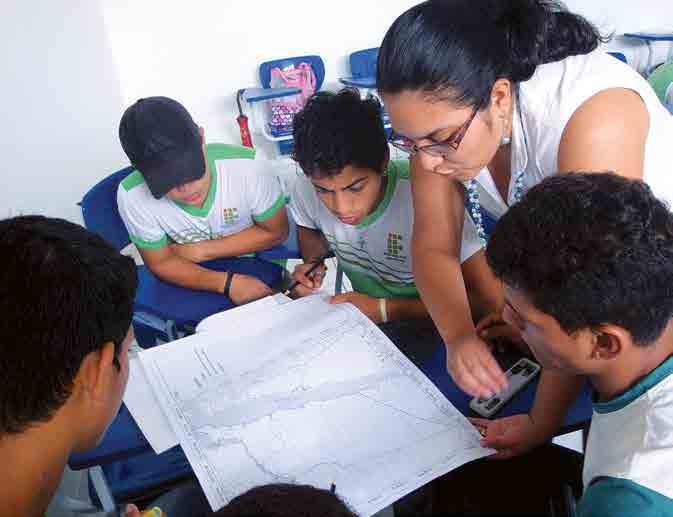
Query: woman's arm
x,y
438,223
484,290
607,133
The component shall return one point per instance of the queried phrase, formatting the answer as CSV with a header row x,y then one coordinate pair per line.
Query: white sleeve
x,y
302,204
471,243
264,193
143,227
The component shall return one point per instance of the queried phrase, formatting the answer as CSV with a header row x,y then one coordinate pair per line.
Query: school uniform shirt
x,y
241,193
628,465
546,103
376,253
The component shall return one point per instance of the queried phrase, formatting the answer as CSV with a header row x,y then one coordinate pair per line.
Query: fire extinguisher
x,y
242,120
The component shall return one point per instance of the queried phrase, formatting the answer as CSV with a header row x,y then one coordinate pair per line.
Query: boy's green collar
x,y
653,378
203,210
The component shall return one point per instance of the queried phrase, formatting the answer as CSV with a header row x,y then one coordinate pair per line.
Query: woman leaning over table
x,y
490,97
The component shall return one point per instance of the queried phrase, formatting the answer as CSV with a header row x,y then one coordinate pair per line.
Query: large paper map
x,y
307,393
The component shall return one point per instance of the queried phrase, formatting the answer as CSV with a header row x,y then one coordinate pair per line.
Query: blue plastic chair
x,y
363,69
139,472
124,468
620,56
160,306
316,63
363,76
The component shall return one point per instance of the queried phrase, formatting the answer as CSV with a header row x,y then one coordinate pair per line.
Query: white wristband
x,y
383,309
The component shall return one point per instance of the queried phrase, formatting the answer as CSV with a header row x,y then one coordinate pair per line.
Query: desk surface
x,y
124,439
435,370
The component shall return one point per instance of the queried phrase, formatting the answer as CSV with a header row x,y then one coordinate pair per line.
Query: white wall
x,y
71,66
60,105
620,16
201,52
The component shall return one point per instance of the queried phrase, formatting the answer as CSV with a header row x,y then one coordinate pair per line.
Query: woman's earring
x,y
506,139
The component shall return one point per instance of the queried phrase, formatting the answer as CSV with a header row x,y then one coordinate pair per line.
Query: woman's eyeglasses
x,y
443,148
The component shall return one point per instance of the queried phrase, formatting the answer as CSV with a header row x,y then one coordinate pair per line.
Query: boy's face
x,y
352,194
193,193
551,345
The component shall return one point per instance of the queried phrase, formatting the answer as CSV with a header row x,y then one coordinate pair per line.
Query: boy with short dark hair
x,y
187,203
286,500
587,263
66,298
356,202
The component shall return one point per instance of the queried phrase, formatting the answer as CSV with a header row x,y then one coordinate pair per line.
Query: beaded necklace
x,y
472,193
474,206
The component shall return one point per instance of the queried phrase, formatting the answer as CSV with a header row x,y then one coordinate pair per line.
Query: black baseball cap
x,y
163,143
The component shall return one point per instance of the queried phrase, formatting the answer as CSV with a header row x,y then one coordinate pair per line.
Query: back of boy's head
x,y
590,249
286,500
64,293
335,130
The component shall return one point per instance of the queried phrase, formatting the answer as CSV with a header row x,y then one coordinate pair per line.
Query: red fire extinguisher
x,y
242,120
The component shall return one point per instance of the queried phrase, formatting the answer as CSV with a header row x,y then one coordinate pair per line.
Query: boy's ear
x,y
202,132
609,341
94,372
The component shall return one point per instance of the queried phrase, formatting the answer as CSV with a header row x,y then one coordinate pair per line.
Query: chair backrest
x,y
315,62
363,63
99,204
100,212
620,56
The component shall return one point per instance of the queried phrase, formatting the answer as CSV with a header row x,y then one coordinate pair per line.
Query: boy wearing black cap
x,y
185,203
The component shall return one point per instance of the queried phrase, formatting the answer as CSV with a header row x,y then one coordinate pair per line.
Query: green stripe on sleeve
x,y
133,180
271,211
151,245
377,287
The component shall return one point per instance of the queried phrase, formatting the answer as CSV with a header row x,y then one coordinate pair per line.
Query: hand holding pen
x,y
308,277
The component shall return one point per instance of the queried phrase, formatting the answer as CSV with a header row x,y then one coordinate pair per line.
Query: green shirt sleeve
x,y
614,497
272,210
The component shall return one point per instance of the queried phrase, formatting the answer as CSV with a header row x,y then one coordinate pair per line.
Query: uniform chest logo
x,y
230,215
396,247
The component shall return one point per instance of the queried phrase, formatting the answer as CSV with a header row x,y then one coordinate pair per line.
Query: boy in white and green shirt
x,y
587,263
188,202
356,203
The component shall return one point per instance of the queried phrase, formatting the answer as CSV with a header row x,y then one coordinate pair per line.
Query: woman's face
x,y
425,121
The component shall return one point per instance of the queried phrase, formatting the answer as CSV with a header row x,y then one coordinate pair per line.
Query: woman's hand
x,y
472,366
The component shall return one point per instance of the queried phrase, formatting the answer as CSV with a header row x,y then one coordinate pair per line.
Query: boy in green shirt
x,y
587,263
356,202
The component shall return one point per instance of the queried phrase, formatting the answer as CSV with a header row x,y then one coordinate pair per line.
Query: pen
x,y
316,263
